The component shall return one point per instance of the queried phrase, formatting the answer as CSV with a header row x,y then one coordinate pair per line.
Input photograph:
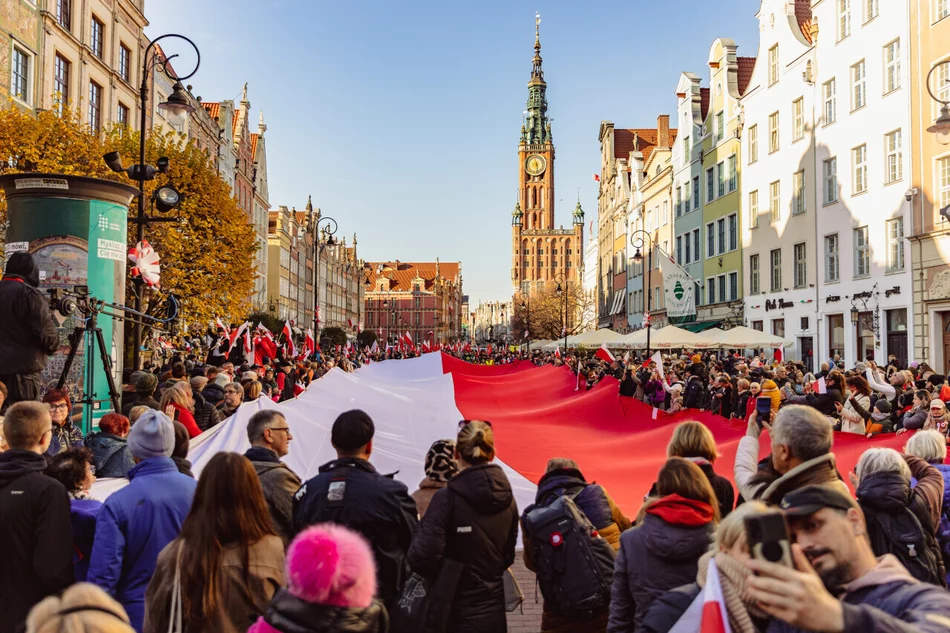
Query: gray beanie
x,y
152,435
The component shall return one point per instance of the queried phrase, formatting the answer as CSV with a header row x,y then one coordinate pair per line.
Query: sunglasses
x,y
464,423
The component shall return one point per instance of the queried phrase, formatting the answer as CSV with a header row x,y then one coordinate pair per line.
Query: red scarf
x,y
679,510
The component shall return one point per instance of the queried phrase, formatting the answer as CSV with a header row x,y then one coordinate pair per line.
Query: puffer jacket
x,y
27,333
110,454
943,529
206,414
213,393
694,397
480,497
287,613
658,555
914,419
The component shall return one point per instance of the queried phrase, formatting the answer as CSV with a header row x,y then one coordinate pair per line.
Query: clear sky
x,y
402,119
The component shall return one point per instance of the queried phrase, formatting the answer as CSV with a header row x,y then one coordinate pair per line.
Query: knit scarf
x,y
740,606
80,494
678,510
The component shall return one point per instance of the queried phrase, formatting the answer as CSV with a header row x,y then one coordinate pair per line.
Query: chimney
x,y
663,131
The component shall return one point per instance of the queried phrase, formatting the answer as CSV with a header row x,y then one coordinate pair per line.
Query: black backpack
x,y
573,563
906,537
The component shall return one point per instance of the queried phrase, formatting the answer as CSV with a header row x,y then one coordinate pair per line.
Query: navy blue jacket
x,y
590,498
134,525
349,492
82,515
110,454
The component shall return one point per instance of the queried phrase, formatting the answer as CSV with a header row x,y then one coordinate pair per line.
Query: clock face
x,y
535,165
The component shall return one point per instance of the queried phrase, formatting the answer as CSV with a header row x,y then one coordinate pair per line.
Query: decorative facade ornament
x,y
940,286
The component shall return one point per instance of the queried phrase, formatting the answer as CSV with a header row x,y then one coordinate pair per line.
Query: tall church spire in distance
x,y
537,126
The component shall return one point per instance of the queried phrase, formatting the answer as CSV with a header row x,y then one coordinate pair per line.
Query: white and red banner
x,y
604,354
289,346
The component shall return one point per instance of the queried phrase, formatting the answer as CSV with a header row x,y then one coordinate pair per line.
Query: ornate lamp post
x,y
637,241
526,306
941,127
560,279
328,233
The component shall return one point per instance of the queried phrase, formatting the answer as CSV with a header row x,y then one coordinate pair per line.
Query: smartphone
x,y
763,410
767,537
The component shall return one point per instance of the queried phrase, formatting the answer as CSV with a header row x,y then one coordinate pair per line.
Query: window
x,y
894,163
798,119
721,179
775,281
61,83
895,244
733,221
835,335
686,198
687,242
679,201
859,164
721,231
892,66
695,193
798,192
679,248
858,87
686,149
732,174
710,239
96,36
828,95
666,212
720,126
778,327
799,276
753,274
733,286
722,287
942,9
943,182
754,209
870,9
844,19
20,84
831,180
775,201
95,106
125,62
757,325
773,132
753,144
696,256
862,252
63,13
773,65
710,186
711,290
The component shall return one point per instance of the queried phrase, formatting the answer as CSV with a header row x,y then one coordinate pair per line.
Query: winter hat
x,y
152,435
696,358
440,461
936,403
860,367
882,405
146,384
331,565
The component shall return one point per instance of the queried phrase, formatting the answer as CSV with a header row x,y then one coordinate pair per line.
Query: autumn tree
x,y
207,259
544,313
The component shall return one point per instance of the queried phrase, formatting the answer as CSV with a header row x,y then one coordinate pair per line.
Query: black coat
x,y
206,414
141,401
36,537
694,396
667,609
213,393
825,402
27,333
289,614
480,497
377,506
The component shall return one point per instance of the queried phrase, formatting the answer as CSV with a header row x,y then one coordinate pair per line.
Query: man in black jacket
x,y
36,539
348,491
27,332
694,397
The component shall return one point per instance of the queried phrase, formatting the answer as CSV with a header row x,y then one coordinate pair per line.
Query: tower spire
x,y
537,127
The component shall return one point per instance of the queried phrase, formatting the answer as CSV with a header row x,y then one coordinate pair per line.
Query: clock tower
x,y
539,251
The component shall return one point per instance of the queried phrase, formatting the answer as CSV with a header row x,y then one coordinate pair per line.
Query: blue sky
x,y
402,118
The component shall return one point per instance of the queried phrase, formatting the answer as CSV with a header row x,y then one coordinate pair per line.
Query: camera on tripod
x,y
68,302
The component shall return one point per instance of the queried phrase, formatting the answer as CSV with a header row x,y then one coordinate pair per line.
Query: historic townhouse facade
x,y
722,253
612,198
930,239
692,107
781,261
260,206
862,132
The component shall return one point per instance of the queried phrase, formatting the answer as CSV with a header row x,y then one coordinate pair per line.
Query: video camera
x,y
70,301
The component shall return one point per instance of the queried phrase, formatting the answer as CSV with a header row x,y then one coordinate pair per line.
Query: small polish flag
x,y
604,354
658,361
349,322
596,177
557,352
779,355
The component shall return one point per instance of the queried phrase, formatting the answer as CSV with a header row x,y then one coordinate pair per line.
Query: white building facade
x,y
779,206
862,166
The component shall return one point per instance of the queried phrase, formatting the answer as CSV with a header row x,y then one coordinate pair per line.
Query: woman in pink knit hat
x,y
331,583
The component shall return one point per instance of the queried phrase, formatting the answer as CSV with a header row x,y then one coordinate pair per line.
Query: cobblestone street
x,y
528,618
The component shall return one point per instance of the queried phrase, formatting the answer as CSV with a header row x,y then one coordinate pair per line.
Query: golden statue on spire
x,y
537,30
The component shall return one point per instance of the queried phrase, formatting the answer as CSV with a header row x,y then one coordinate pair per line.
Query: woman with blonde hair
x,y
136,412
695,442
253,390
730,551
178,405
83,608
479,496
662,552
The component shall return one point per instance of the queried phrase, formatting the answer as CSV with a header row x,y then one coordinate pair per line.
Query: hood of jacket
x,y
888,569
103,441
821,470
15,463
485,487
675,542
289,614
885,492
23,266
557,482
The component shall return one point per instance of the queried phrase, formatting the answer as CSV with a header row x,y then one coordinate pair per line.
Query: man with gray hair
x,y
270,436
801,455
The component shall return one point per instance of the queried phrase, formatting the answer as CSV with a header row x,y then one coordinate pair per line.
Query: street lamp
x,y
637,241
559,279
941,127
165,198
328,234
526,306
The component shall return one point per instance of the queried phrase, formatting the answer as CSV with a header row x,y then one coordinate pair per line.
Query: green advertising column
x,y
75,228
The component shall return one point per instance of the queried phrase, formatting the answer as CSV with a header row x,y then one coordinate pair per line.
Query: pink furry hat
x,y
329,564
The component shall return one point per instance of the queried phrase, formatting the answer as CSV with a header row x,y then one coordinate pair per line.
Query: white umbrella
x,y
669,337
746,338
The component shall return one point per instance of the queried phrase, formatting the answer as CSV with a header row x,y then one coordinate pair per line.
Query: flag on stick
x,y
604,354
289,340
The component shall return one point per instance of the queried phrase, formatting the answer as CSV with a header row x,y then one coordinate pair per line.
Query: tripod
x,y
91,333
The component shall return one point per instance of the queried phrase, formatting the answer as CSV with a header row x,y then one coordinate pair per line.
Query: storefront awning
x,y
699,326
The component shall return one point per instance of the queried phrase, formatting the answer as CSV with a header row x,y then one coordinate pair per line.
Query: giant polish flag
x,y
536,414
